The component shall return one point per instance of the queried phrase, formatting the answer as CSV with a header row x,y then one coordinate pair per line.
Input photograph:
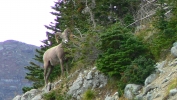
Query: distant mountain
x,y
14,56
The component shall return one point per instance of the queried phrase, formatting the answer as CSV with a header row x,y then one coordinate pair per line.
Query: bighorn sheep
x,y
55,55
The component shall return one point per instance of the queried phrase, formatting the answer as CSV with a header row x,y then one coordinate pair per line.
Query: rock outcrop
x,y
86,79
174,49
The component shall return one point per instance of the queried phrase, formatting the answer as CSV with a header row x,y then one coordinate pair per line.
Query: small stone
x,y
89,75
173,92
165,80
157,95
171,73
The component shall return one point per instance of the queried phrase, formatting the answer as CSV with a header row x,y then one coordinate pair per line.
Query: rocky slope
x,y
161,85
14,56
78,83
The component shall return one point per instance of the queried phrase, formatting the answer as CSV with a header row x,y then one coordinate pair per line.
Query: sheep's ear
x,y
57,35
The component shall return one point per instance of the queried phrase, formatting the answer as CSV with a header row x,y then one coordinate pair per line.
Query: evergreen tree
x,y
108,12
119,48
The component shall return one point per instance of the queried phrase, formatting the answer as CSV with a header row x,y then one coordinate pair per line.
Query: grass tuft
x,y
89,95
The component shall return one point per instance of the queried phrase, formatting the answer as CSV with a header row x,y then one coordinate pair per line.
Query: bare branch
x,y
79,32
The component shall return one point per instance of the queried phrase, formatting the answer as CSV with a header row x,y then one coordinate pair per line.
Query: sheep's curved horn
x,y
68,32
57,34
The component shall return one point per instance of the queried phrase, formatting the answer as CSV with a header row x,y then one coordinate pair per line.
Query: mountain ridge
x,y
14,56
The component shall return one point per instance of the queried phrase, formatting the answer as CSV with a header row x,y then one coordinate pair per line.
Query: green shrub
x,y
124,57
160,44
50,96
56,95
166,30
119,49
25,89
138,70
89,95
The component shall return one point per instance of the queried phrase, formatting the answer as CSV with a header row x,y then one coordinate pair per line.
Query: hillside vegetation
x,y
123,39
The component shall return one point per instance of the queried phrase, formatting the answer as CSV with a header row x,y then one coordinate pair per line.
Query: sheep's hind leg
x,y
49,72
45,73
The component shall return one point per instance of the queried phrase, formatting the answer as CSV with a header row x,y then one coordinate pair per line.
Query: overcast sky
x,y
24,20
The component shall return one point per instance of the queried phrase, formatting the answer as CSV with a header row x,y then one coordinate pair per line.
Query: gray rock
x,y
18,97
87,84
150,79
173,92
108,98
171,73
139,97
94,68
149,96
128,94
89,75
157,95
174,51
48,87
131,90
165,80
87,79
158,71
30,94
159,66
102,80
148,88
76,85
173,63
174,44
78,97
114,97
37,97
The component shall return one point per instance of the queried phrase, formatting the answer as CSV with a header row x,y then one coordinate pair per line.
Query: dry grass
x,y
146,32
110,88
171,85
123,98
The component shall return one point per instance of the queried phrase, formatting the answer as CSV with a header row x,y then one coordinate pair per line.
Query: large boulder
x,y
173,92
85,80
131,90
30,94
174,49
150,79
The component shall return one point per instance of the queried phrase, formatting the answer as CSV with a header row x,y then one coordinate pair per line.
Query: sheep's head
x,y
64,35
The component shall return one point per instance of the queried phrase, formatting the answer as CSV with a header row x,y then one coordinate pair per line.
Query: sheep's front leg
x,y
61,66
49,72
45,73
